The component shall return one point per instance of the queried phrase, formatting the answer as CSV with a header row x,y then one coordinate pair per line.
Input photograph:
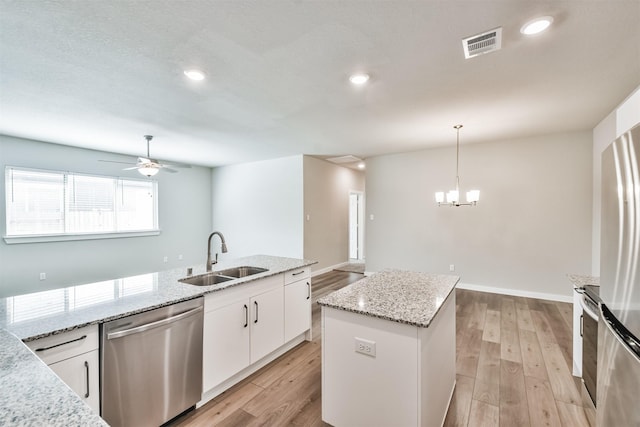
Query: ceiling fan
x,y
148,166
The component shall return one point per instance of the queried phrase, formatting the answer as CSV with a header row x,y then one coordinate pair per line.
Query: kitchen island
x,y
388,350
30,393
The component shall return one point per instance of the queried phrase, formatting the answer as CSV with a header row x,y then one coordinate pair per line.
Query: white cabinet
x,y
297,304
241,326
73,356
225,343
267,323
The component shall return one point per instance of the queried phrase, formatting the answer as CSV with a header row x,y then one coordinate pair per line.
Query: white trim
x,y
328,269
515,292
12,240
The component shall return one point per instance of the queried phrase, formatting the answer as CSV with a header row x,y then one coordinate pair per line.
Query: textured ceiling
x,y
100,74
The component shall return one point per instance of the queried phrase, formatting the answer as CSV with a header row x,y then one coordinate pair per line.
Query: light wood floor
x,y
513,365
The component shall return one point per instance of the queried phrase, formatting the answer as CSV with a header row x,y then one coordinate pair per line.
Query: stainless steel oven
x,y
589,332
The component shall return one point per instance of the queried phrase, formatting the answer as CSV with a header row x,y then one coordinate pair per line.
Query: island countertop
x,y
408,297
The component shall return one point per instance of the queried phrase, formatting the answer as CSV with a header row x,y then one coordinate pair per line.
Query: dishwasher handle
x,y
156,324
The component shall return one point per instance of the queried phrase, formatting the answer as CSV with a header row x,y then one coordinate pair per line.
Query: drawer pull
x,y
86,366
299,272
62,343
308,290
246,316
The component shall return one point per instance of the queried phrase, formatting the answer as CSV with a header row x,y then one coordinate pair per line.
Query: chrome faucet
x,y
224,249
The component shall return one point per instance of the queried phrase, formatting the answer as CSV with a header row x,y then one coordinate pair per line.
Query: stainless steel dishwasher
x,y
151,365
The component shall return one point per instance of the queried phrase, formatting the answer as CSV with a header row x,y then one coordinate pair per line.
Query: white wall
x,y
531,227
621,119
184,202
258,206
326,203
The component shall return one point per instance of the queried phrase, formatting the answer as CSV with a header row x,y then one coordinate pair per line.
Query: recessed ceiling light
x,y
194,74
361,165
359,79
536,26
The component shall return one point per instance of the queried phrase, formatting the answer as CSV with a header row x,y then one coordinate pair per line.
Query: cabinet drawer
x,y
297,274
55,348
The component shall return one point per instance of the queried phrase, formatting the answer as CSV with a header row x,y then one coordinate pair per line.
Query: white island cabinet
x,y
73,356
389,350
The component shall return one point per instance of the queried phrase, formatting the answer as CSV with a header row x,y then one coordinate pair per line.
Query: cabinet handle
x,y
62,343
86,366
246,316
299,272
308,290
581,323
256,303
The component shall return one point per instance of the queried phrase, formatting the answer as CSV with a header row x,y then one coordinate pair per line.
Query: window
x,y
49,203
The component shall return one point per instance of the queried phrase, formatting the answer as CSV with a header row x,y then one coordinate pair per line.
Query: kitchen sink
x,y
244,271
222,276
206,279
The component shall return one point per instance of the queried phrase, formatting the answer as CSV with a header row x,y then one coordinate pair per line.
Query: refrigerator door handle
x,y
622,334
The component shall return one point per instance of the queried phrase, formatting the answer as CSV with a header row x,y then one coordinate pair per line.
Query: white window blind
x,y
62,203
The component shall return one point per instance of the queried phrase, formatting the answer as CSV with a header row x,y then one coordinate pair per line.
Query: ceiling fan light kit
x,y
453,196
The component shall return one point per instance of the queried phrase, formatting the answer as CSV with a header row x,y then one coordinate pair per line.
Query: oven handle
x,y
152,325
620,332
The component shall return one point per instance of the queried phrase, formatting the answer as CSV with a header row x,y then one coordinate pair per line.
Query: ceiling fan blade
x,y
131,168
164,167
178,165
113,161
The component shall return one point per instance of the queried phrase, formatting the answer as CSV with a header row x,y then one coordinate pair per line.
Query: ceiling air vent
x,y
344,159
479,44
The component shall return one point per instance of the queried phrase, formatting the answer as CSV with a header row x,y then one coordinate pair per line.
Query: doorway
x,y
356,225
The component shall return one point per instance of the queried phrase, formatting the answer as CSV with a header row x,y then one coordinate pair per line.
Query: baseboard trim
x,y
515,293
328,269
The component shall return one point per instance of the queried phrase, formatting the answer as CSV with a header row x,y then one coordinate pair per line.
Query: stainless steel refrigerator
x,y
618,391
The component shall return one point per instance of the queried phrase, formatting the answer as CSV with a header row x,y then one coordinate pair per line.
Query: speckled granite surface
x,y
40,314
32,395
400,296
579,280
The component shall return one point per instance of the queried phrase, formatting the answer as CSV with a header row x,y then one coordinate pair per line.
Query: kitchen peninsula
x,y
388,350
31,394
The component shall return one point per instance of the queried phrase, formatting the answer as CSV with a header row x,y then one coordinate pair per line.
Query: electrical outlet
x,y
180,256
365,347
452,267
43,276
166,259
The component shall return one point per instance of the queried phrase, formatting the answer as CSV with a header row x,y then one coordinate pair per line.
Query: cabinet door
x,y
267,323
80,373
297,308
225,343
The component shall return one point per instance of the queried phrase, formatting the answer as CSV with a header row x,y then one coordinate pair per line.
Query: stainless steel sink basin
x,y
206,279
222,276
243,271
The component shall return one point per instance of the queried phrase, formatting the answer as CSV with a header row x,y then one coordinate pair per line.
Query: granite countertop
x,y
40,314
30,393
400,296
580,280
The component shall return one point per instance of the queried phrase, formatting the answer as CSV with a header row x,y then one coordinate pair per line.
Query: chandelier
x,y
453,196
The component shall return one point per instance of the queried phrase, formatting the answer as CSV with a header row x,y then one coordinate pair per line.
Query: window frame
x,y
70,236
